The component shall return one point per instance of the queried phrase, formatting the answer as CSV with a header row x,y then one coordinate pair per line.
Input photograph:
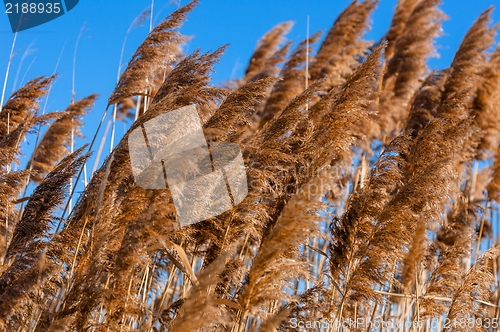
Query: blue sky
x,y
212,24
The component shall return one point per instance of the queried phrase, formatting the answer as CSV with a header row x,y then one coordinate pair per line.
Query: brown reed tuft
x,y
346,30
407,66
154,54
23,102
57,139
267,54
291,83
27,256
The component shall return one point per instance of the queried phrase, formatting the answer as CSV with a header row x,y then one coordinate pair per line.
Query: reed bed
x,y
373,190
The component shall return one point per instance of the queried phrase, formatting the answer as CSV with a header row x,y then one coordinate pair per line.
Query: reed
x,y
373,189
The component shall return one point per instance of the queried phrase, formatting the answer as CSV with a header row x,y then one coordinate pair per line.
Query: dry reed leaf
x,y
200,309
185,261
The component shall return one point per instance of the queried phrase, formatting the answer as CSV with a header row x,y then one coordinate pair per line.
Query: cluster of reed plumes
x,y
373,190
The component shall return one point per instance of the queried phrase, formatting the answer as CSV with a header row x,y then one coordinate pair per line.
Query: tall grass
x,y
373,190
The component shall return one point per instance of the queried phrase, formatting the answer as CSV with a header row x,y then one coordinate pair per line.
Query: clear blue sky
x,y
212,24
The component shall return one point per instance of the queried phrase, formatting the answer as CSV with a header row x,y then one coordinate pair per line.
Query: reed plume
x,y
291,83
23,102
267,53
469,61
28,257
346,30
407,66
404,9
152,56
373,188
56,140
485,110
475,287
